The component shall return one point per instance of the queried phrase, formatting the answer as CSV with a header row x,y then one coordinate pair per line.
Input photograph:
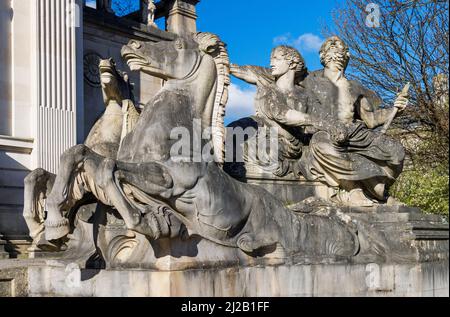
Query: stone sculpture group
x,y
121,192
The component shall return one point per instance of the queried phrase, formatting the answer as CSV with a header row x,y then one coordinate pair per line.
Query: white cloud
x,y
282,39
240,103
305,43
309,42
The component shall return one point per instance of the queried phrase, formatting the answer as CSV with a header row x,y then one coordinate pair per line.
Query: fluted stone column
x,y
44,79
59,49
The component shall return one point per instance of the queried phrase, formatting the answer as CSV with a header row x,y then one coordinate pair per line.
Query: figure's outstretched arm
x,y
297,119
377,117
252,74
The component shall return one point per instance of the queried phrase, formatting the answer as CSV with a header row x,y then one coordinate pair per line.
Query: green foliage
x,y
427,188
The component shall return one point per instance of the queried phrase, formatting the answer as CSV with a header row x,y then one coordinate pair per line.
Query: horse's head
x,y
166,59
182,59
115,84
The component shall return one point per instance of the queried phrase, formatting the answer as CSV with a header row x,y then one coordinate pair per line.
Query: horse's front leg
x,y
38,184
150,178
62,196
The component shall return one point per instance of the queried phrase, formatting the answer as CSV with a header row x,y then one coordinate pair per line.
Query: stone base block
x,y
47,278
291,191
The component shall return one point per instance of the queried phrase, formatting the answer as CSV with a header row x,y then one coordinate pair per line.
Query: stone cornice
x,y
17,145
125,26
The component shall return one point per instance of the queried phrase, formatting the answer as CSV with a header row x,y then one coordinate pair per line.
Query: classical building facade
x,y
50,94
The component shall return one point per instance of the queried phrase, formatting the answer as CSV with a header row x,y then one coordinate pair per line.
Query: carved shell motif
x,y
91,62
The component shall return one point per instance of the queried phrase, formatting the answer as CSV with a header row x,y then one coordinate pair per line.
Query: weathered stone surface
x,y
105,137
327,133
14,278
128,215
289,190
416,264
48,278
129,202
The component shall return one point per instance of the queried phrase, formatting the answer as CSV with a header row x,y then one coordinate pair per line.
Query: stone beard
x,y
335,52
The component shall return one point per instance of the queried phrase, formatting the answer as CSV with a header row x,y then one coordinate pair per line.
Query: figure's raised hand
x,y
251,74
402,100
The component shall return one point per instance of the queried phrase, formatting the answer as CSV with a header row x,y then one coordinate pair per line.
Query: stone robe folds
x,y
367,157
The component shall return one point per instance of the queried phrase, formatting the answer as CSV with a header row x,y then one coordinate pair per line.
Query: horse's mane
x,y
212,45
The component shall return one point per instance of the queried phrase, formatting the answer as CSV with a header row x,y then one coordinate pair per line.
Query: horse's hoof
x,y
56,230
245,243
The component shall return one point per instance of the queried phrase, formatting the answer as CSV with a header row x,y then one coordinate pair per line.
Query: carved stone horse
x,y
104,139
146,179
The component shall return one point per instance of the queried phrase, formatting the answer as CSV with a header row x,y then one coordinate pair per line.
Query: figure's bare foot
x,y
355,198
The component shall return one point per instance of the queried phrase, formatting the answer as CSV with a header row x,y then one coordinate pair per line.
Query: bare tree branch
x,y
410,45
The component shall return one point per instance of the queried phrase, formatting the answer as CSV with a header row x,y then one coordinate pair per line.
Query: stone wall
x,y
15,161
104,36
399,280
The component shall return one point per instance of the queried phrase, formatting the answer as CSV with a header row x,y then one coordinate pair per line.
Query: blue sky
x,y
251,28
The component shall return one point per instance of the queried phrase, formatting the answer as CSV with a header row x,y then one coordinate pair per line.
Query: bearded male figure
x,y
351,157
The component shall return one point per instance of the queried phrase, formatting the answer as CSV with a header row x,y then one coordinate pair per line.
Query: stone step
x,y
57,278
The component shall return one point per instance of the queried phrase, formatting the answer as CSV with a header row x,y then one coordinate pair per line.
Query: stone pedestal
x,y
49,278
289,189
411,259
